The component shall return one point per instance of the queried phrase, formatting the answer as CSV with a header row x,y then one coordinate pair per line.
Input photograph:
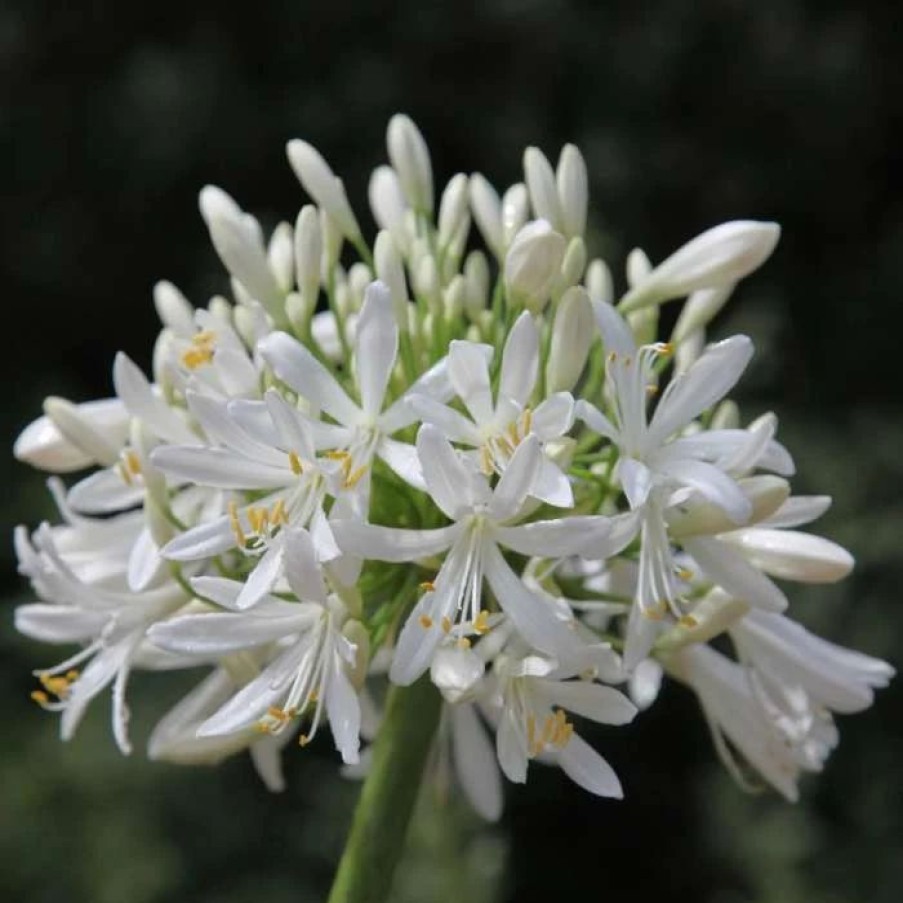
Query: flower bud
x,y
426,280
572,335
80,429
174,309
574,262
688,351
45,445
387,200
573,190
542,187
390,270
791,555
714,614
476,274
323,186
454,297
239,244
411,160
359,278
699,310
452,208
532,265
281,257
515,211
721,256
332,239
644,325
455,672
299,311
598,281
638,267
487,212
308,254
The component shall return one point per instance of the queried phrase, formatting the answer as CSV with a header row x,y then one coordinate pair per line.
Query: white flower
x,y
532,722
364,429
497,427
480,518
312,660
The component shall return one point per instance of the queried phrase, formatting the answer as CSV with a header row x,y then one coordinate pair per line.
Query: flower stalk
x,y
380,823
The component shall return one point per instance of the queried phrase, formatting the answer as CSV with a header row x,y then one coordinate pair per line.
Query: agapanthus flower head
x,y
436,462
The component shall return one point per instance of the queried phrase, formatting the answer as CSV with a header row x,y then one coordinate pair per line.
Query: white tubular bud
x,y
698,517
344,301
426,281
598,281
726,416
299,311
81,431
638,267
515,211
239,244
574,262
410,158
321,183
174,309
332,238
540,179
715,613
359,277
532,265
281,256
721,256
644,325
699,310
455,298
572,335
220,308
687,352
473,332
390,270
308,254
44,445
387,201
573,190
791,555
487,212
454,250
143,443
476,274
246,324
452,208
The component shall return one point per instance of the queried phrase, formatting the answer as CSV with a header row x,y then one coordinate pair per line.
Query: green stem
x,y
387,799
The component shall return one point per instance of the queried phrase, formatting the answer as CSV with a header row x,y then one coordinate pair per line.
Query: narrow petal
x,y
792,555
104,492
435,384
453,425
475,762
204,541
403,459
265,574
301,568
617,336
444,471
344,711
392,544
376,346
219,468
708,380
517,480
636,481
585,767
575,535
145,562
713,484
554,417
596,421
468,370
295,365
606,705
552,485
520,360
511,748
799,510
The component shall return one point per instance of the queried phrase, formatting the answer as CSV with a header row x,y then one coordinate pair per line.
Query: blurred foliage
x,y
113,116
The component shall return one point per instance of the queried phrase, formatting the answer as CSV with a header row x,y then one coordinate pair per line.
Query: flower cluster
x,y
420,458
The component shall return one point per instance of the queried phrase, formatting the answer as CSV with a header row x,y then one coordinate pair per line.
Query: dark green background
x,y
111,120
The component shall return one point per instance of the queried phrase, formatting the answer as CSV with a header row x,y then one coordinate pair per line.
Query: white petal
x,y
218,467
295,365
617,336
552,486
511,748
517,480
301,569
475,763
584,766
707,381
444,471
145,562
733,573
596,420
291,426
204,541
265,574
636,481
376,346
520,360
59,623
711,483
104,492
266,754
391,544
219,426
606,705
344,711
799,510
453,425
468,370
435,384
404,461
554,417
574,535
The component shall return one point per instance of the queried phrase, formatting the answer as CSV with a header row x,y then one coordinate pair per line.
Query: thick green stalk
x,y
377,835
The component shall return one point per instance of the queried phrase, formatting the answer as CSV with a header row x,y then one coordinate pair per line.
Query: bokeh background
x,y
112,117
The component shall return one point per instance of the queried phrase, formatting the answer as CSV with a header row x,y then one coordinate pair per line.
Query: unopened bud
x,y
387,201
411,160
487,212
598,281
573,190
476,272
638,267
455,297
572,335
390,270
308,254
515,211
299,311
721,256
714,614
81,430
574,262
323,186
452,208
540,179
173,309
532,264
281,257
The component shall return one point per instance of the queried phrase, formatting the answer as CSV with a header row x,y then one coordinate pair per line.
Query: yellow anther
x,y
656,613
688,621
337,455
527,421
277,713
684,574
481,622
428,586
512,433
463,643
257,518
55,684
133,462
40,697
204,337
664,348
277,513
548,730
235,524
485,460
652,390
72,675
262,727
295,463
612,356
425,622
352,479
446,624
303,740
314,694
197,357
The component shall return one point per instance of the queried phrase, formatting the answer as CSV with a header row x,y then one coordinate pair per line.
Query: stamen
x,y
352,479
294,462
481,622
688,621
446,624
277,513
425,622
234,522
463,643
40,697
428,586
303,740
